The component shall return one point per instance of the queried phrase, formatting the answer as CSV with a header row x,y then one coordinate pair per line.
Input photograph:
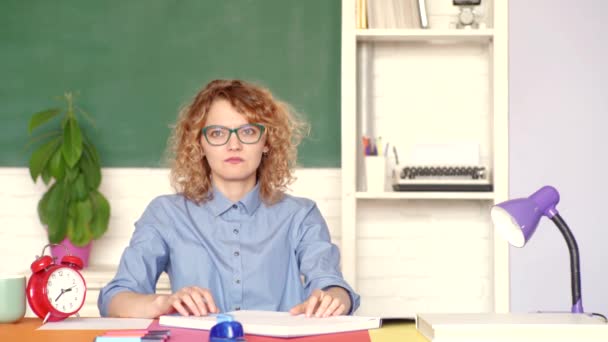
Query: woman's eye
x,y
249,130
217,133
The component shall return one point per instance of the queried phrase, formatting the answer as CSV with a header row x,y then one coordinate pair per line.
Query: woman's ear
x,y
265,150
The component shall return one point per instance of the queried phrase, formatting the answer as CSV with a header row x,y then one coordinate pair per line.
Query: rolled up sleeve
x,y
319,258
141,263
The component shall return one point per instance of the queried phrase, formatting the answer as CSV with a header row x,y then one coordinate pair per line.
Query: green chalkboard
x,y
134,63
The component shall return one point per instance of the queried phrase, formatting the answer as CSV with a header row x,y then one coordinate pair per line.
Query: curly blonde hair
x,y
190,171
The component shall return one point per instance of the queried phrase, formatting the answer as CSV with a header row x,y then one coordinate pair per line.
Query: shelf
x,y
393,35
425,195
395,83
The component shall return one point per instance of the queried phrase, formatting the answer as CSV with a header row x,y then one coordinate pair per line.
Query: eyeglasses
x,y
247,134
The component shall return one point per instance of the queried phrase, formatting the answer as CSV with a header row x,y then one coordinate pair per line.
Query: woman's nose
x,y
233,142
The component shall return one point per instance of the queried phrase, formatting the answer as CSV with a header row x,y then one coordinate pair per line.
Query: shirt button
x,y
237,281
236,253
234,206
235,231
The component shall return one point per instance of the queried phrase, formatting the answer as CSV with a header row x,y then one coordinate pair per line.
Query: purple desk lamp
x,y
516,221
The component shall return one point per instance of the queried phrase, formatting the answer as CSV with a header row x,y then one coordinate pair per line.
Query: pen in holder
x,y
375,173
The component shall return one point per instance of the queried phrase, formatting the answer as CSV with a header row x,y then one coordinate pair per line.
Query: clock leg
x,y
46,318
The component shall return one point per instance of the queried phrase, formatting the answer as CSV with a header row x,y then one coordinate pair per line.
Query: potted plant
x,y
72,208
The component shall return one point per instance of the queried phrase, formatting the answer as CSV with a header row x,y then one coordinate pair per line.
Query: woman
x,y
231,238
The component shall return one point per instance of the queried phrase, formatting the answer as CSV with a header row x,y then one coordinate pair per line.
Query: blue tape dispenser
x,y
226,330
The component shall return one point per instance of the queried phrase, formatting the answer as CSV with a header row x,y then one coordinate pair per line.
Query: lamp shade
x,y
517,219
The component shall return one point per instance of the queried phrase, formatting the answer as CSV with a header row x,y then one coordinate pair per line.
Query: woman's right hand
x,y
188,301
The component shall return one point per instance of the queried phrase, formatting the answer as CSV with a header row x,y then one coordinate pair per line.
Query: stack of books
x,y
494,327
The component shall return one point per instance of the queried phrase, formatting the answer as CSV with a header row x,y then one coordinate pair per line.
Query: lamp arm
x,y
575,271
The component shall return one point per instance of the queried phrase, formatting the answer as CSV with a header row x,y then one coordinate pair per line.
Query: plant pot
x,y
82,252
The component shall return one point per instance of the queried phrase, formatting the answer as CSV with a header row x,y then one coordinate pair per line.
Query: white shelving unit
x,y
408,252
395,35
424,195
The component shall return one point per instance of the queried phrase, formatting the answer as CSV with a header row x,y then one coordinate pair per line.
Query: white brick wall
x,y
425,255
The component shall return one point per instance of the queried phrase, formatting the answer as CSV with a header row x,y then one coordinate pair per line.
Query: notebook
x,y
473,327
278,324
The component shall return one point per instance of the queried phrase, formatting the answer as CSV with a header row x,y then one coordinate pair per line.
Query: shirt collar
x,y
219,204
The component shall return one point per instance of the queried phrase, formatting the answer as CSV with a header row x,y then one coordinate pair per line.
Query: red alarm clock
x,y
55,292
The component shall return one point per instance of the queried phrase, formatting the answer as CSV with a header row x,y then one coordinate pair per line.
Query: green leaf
x,y
71,173
101,214
84,212
57,165
79,188
90,169
43,204
93,153
57,230
72,142
46,171
41,137
42,117
76,234
79,231
72,210
41,156
57,213
46,175
64,122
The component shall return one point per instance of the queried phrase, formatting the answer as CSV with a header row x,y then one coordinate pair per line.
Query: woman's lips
x,y
234,160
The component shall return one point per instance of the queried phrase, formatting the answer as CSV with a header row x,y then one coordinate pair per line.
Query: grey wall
x,y
558,69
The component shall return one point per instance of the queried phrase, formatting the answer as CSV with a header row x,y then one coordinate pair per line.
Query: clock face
x,y
65,290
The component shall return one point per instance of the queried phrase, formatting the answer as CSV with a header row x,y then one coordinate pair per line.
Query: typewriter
x,y
441,178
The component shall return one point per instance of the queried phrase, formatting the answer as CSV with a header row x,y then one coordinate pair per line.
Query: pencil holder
x,y
375,173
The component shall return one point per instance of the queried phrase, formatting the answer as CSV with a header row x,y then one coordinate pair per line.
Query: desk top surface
x,y
25,330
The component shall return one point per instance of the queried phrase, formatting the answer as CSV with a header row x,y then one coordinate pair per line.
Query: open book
x,y
279,324
473,327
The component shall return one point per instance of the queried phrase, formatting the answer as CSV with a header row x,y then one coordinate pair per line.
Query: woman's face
x,y
234,162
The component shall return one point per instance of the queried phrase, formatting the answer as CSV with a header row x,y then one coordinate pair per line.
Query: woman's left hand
x,y
334,301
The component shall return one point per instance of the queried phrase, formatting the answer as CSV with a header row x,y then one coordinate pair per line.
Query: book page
x,y
287,319
282,324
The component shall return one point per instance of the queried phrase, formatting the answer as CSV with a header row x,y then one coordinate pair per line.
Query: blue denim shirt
x,y
250,255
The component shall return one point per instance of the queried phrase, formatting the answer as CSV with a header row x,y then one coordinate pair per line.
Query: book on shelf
x,y
278,324
422,14
361,14
473,327
383,14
